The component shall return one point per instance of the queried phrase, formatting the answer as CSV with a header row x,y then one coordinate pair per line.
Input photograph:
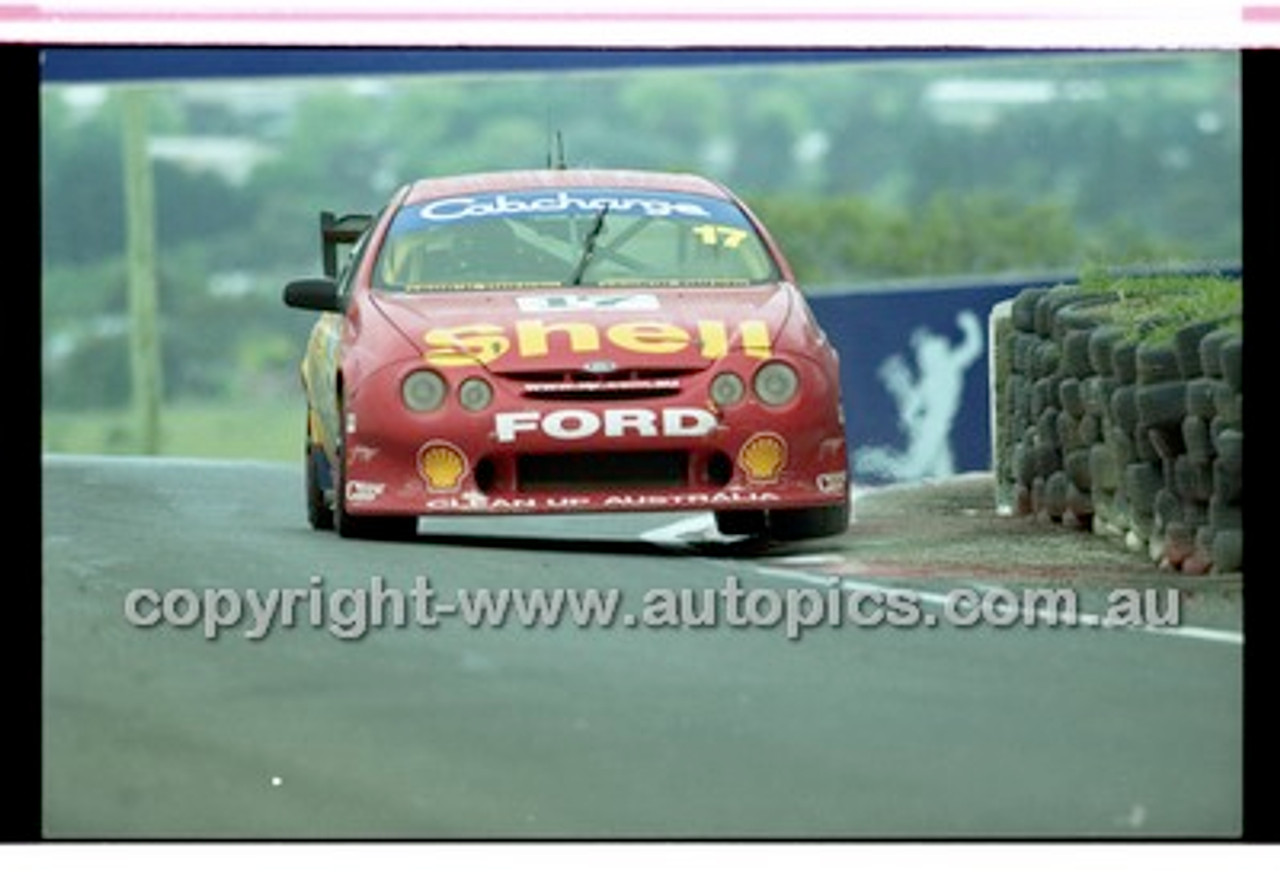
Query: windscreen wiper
x,y
589,246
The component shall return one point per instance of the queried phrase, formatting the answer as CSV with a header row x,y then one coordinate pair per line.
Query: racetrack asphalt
x,y
455,731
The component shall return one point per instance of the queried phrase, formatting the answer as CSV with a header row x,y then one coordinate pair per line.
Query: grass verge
x,y
258,431
1154,308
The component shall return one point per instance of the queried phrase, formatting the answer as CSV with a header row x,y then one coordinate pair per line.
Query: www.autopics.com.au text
x,y
349,613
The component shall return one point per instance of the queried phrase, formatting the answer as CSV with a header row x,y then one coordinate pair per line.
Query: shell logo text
x,y
763,457
442,465
486,342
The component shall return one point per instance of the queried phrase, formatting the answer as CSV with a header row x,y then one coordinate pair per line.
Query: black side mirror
x,y
314,294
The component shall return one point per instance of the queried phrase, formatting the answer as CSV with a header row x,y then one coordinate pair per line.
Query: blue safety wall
x,y
872,328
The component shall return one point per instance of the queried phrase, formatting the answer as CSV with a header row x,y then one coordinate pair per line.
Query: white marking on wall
x,y
928,399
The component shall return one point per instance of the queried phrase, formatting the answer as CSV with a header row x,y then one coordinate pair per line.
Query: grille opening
x,y
602,471
719,469
581,375
602,390
626,384
484,475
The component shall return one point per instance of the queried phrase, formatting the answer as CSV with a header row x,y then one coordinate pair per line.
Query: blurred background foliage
x,y
866,171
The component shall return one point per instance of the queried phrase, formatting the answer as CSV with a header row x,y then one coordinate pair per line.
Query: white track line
x,y
703,526
1047,617
678,532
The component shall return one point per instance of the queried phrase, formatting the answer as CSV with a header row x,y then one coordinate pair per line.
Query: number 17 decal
x,y
720,235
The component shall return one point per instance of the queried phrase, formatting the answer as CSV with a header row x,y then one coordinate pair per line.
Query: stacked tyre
x,y
1141,439
1052,426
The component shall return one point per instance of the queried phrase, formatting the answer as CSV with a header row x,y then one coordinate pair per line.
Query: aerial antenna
x,y
556,161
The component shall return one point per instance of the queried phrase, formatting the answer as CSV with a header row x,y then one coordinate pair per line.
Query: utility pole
x,y
140,250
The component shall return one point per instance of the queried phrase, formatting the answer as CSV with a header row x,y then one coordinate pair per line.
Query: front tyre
x,y
802,523
319,511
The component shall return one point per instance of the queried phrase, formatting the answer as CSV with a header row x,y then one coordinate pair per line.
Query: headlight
x,y
423,390
727,389
776,383
475,394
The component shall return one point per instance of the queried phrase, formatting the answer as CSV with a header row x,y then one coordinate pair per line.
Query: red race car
x,y
556,341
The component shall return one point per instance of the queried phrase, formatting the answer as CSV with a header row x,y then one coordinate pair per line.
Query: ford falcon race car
x,y
557,341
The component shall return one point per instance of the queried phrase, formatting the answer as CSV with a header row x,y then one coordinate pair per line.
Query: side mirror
x,y
315,294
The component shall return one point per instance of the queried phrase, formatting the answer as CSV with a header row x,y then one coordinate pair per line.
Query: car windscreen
x,y
571,237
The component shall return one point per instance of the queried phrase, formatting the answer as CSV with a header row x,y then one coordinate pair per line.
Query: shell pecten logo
x,y
763,457
442,465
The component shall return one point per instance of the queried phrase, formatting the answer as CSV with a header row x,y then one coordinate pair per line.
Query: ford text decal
x,y
578,424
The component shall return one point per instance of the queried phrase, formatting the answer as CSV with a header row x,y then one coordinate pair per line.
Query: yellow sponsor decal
x,y
755,340
720,235
465,345
485,342
442,465
534,337
763,457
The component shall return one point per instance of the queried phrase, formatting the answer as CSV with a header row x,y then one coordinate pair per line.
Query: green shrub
x,y
839,240
1154,307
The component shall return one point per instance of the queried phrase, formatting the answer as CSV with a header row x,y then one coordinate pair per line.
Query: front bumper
x,y
653,453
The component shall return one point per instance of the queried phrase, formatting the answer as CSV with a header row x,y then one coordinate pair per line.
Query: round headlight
x,y
423,390
776,383
726,389
475,394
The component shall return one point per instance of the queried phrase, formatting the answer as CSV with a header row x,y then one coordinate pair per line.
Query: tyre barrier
x,y
1138,441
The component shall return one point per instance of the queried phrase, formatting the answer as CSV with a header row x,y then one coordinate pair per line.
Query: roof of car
x,y
533,179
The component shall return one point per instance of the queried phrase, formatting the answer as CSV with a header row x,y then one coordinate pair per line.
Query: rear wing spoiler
x,y
336,230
